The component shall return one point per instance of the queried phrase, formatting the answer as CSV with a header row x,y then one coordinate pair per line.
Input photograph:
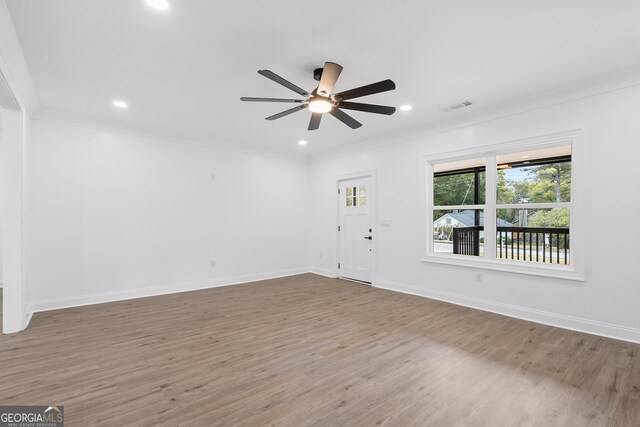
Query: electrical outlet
x,y
479,277
213,263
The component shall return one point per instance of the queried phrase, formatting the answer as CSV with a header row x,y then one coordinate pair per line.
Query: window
x,y
533,205
507,208
356,196
458,207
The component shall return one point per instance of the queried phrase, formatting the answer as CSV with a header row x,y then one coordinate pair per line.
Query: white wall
x,y
113,215
1,202
606,303
12,152
17,95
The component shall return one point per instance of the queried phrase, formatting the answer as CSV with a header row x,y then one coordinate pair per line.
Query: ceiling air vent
x,y
458,106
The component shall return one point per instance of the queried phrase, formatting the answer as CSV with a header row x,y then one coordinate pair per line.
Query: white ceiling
x,y
184,70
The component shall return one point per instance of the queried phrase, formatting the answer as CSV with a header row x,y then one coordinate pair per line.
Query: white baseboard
x,y
103,297
28,317
552,319
322,272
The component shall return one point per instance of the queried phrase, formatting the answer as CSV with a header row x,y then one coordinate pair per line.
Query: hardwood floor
x,y
308,350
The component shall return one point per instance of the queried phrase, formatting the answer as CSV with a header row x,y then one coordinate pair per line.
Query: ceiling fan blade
x,y
368,108
371,89
330,74
286,83
314,123
248,98
345,118
287,112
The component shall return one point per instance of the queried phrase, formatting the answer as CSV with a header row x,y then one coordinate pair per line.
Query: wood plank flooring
x,y
308,350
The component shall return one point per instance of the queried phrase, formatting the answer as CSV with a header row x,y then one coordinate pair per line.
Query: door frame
x,y
15,315
374,216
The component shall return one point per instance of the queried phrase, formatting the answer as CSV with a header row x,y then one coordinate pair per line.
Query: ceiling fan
x,y
321,100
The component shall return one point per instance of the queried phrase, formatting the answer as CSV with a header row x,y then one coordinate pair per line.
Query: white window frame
x,y
574,271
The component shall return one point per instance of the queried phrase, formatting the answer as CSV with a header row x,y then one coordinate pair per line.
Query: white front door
x,y
355,229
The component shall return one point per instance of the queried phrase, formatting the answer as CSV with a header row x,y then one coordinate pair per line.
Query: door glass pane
x,y
349,201
349,191
362,201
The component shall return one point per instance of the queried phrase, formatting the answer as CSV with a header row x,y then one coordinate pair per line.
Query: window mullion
x,y
430,208
490,212
458,207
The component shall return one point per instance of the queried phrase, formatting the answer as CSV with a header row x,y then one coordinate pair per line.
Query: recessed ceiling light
x,y
158,4
405,107
524,157
302,142
120,104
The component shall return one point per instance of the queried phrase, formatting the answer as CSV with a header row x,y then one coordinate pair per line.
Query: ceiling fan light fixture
x,y
159,4
320,105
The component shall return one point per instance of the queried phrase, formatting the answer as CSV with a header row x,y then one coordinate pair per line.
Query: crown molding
x,y
593,87
88,122
585,89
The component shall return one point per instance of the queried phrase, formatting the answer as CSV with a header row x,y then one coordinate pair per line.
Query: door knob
x,y
368,237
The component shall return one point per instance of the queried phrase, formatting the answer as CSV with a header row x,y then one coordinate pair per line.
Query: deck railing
x,y
466,240
537,244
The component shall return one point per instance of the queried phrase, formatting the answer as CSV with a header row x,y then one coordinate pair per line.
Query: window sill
x,y
544,270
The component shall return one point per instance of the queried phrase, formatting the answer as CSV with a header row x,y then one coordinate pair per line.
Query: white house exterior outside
x,y
443,225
